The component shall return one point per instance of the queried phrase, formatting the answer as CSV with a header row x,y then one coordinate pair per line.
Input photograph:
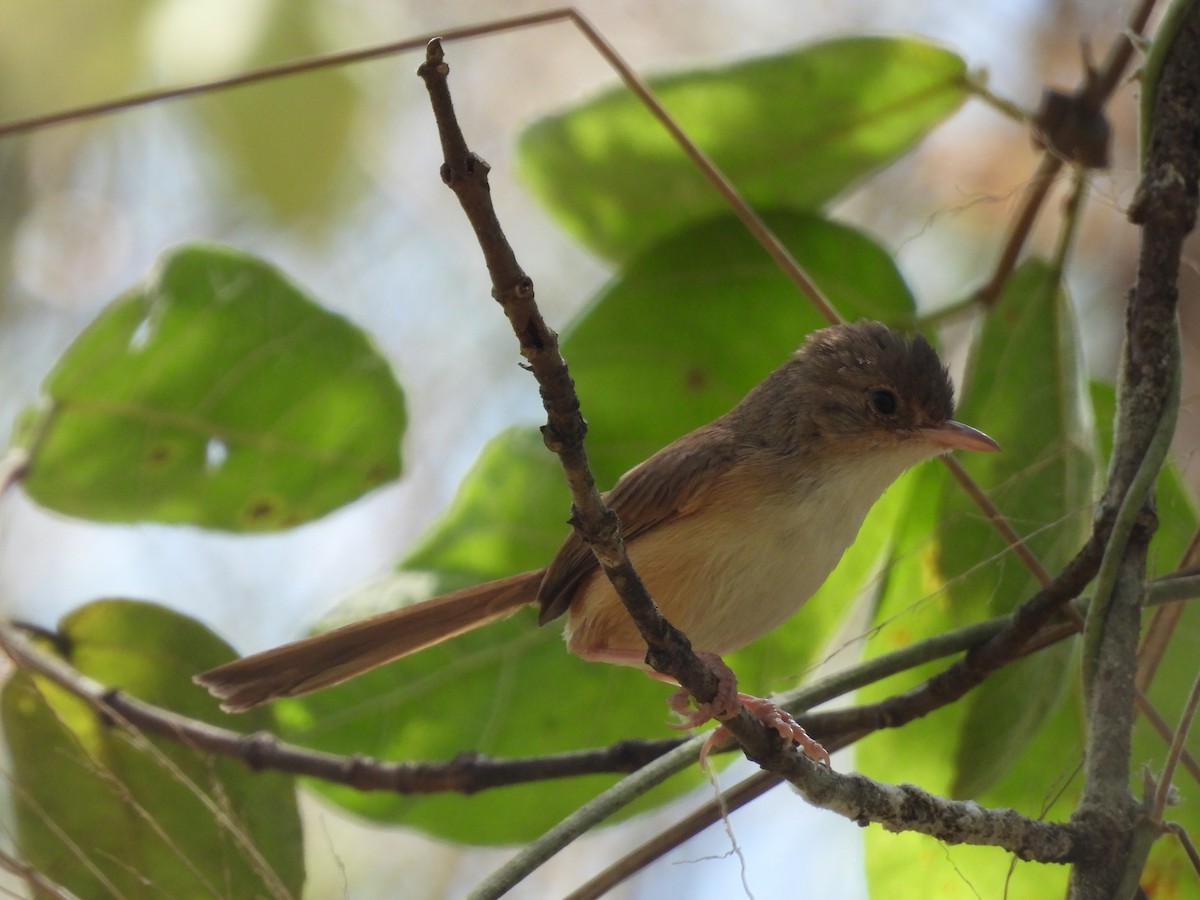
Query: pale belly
x,y
726,580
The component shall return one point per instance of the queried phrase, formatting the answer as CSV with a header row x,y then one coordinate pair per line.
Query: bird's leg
x,y
725,705
728,704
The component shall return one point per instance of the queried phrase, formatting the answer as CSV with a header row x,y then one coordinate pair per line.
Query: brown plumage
x,y
732,526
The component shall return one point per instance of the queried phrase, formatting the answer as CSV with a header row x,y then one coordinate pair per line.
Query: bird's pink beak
x,y
953,435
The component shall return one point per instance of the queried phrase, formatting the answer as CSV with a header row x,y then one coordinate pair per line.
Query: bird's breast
x,y
737,567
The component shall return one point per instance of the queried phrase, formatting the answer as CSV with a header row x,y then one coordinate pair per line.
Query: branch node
x,y
435,60
256,750
1073,128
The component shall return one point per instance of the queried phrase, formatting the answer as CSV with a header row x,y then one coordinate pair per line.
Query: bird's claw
x,y
728,704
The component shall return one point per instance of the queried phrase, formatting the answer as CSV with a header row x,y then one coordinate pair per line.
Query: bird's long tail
x,y
327,659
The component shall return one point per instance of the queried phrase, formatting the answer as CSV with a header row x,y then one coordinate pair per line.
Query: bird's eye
x,y
883,400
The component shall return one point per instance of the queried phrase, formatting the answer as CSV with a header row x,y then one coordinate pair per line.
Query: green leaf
x,y
106,48
107,813
1025,386
510,513
215,394
673,341
793,130
287,142
911,606
1042,782
915,604
1044,777
510,690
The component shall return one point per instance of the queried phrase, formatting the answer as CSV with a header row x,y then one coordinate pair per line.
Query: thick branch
x,y
905,807
1147,395
1008,644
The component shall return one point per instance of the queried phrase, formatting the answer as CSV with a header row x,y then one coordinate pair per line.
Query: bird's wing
x,y
669,485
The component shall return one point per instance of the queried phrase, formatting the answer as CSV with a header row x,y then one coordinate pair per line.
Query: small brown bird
x,y
732,527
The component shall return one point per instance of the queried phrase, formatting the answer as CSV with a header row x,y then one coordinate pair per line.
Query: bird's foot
x,y
728,704
725,705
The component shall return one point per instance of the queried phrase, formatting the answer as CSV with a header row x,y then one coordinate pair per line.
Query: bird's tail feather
x,y
327,659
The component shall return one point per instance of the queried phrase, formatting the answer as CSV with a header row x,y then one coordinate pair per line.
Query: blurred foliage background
x,y
333,176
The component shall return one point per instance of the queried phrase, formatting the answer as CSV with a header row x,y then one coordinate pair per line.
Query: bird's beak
x,y
951,435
